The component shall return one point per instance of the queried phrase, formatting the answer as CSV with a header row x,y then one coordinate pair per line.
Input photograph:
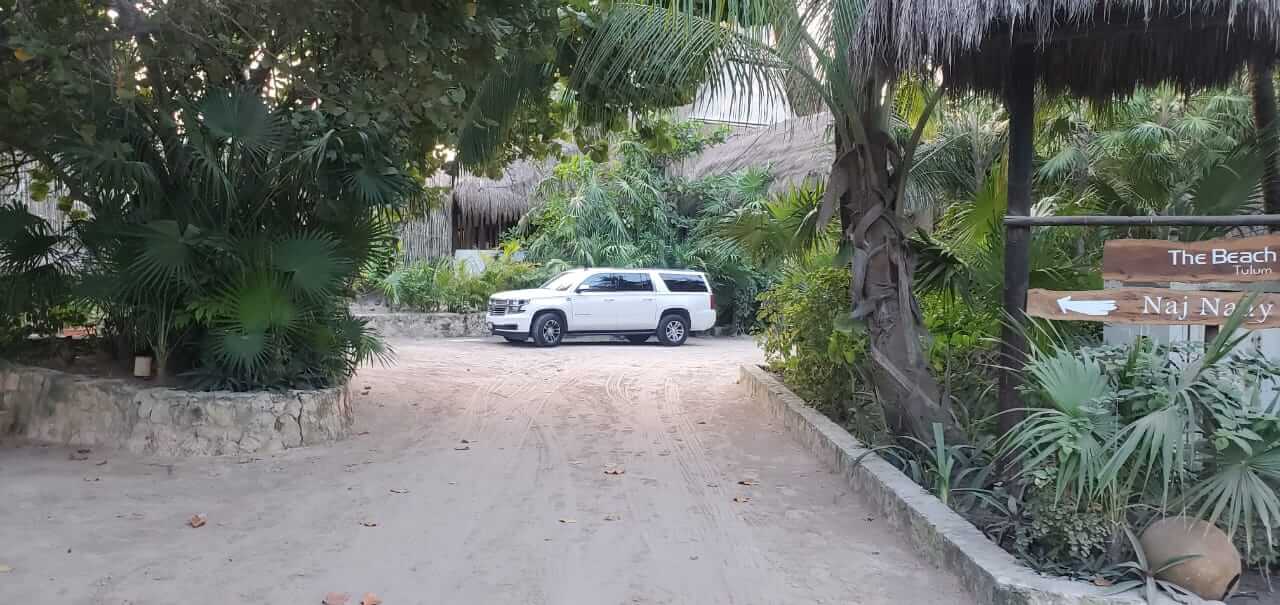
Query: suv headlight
x,y
516,306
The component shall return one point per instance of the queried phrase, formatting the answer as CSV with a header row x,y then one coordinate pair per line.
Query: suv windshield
x,y
562,282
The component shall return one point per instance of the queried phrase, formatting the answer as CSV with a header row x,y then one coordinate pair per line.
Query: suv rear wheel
x,y
673,330
548,330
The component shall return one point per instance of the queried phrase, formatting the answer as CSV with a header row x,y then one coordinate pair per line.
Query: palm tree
x,y
234,248
803,50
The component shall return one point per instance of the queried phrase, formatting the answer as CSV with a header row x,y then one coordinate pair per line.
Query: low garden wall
x,y
939,534
427,325
68,409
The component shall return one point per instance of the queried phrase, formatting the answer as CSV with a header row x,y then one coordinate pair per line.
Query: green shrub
x,y
801,342
1061,537
448,286
1137,431
231,254
963,354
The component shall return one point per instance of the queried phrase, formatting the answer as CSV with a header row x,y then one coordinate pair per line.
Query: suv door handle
x,y
607,299
650,299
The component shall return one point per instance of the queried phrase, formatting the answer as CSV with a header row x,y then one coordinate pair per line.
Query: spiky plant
x,y
1170,430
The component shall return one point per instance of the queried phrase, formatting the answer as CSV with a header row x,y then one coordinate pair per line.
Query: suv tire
x,y
548,330
673,330
638,339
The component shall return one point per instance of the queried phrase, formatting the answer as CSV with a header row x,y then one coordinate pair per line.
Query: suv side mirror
x,y
581,289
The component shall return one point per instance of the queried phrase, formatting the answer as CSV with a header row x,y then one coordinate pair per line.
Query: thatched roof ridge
x,y
795,151
1096,49
504,199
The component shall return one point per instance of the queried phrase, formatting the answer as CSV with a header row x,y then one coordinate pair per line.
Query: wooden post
x,y
1020,103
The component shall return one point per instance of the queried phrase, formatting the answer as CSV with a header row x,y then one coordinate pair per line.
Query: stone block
x,y
427,325
45,405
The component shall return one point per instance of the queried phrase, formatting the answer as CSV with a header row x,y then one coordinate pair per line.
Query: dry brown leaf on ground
x,y
741,499
613,517
462,448
748,482
103,463
370,599
399,491
368,524
1101,581
197,521
615,470
79,455
336,598
568,520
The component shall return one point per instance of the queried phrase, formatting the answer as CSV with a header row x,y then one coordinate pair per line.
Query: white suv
x,y
636,303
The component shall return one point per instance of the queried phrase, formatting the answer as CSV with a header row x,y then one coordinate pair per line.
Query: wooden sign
x,y
1158,306
1245,259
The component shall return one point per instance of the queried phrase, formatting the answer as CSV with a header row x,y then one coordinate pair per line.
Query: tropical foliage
x,y
629,213
1140,428
751,50
231,253
230,168
1129,433
408,70
449,286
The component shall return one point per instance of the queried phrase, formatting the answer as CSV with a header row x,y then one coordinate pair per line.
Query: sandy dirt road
x,y
522,512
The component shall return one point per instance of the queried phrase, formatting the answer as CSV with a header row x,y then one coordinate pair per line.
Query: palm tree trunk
x,y
1262,71
883,268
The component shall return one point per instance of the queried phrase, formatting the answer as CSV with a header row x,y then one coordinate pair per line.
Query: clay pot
x,y
1212,575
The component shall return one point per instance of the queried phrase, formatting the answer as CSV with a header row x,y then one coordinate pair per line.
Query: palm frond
x,y
313,262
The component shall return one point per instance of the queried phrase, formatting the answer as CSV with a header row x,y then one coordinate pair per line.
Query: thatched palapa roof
x,y
504,199
797,150
1096,49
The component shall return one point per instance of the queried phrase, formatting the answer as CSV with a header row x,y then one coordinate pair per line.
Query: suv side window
x,y
683,282
634,282
601,282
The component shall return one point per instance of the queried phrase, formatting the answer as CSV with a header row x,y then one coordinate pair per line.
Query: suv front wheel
x,y
548,330
673,330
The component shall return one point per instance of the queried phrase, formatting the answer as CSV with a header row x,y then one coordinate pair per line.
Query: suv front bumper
x,y
508,325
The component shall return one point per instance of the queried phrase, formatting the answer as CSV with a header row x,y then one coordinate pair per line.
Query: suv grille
x,y
497,307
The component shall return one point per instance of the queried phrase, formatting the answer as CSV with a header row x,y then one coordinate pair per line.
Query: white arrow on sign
x,y
1100,308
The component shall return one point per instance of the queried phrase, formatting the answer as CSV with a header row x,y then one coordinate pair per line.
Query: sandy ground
x,y
521,512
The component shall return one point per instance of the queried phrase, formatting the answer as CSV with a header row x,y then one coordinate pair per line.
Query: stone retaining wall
x,y
936,532
68,409
427,325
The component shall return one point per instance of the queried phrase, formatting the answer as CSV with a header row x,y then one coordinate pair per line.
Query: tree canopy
x,y
406,69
